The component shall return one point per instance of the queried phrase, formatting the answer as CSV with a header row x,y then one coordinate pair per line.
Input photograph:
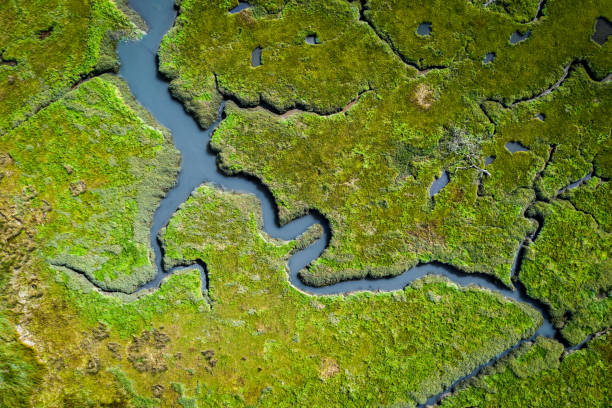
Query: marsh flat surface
x,y
320,203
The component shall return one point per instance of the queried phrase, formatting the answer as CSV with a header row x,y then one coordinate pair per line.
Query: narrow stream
x,y
139,69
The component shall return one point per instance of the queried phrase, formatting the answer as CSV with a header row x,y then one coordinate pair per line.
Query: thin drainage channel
x,y
139,69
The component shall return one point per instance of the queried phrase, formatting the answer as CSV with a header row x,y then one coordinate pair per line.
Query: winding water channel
x,y
139,69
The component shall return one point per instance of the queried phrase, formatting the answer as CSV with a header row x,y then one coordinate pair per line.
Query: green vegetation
x,y
19,370
368,170
523,11
463,32
151,349
108,167
373,165
317,346
83,167
290,66
594,198
48,46
540,375
569,268
209,42
262,342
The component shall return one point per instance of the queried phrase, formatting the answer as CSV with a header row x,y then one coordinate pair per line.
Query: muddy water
x,y
139,69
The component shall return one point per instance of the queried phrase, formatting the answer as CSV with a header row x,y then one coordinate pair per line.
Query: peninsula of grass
x,y
99,164
253,339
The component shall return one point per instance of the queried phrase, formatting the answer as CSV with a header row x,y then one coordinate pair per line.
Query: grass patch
x,y
109,165
539,375
54,44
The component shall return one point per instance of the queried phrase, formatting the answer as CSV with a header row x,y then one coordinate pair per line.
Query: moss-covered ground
x,y
425,104
48,46
542,375
253,339
381,112
81,178
101,168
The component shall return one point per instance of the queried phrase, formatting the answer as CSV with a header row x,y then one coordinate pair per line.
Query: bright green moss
x,y
107,167
569,268
378,205
594,198
523,11
85,173
327,80
273,345
320,344
53,45
539,376
369,170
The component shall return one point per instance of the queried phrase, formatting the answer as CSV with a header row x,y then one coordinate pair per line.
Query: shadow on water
x,y
139,69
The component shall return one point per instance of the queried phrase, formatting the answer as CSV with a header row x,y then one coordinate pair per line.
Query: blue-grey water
x,y
489,57
256,57
514,147
575,184
139,69
517,37
603,30
424,29
243,5
438,184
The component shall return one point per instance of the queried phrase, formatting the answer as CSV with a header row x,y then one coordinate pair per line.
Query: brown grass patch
x,y
423,96
328,368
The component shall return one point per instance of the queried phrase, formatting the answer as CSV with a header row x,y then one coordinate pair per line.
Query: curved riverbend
x,y
139,69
